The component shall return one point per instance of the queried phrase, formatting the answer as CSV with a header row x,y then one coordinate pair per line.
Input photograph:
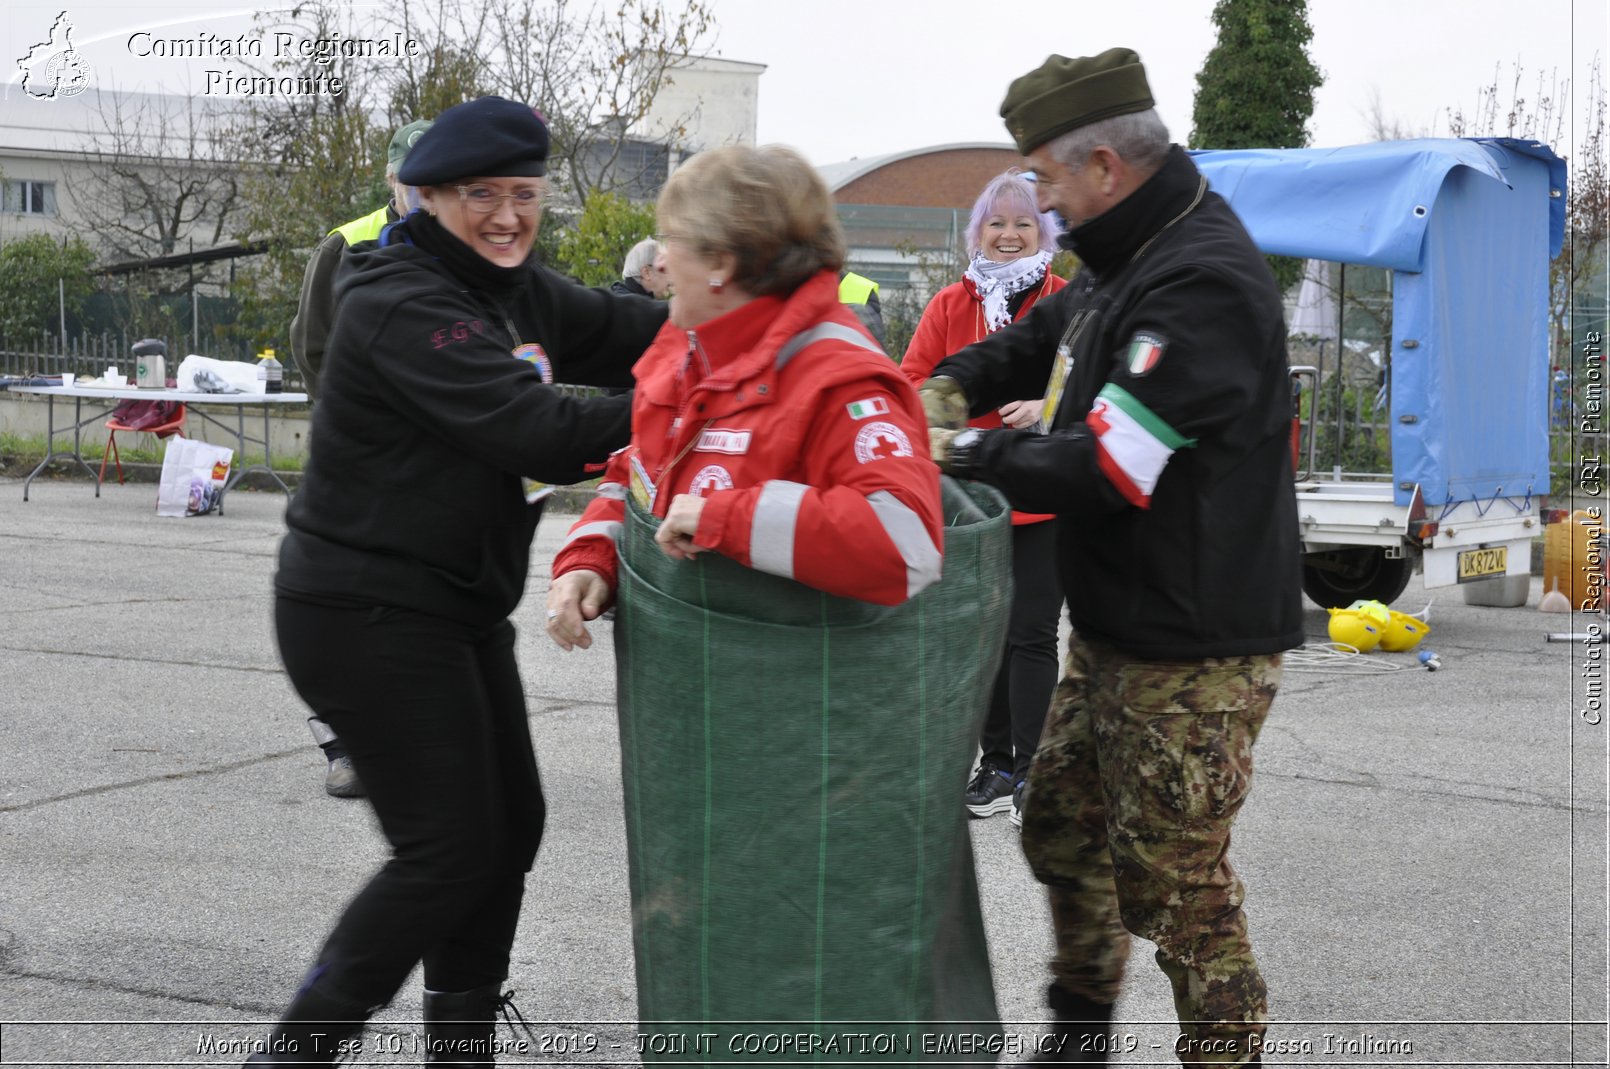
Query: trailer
x,y
1467,228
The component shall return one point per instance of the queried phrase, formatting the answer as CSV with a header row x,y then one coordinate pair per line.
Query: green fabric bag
x,y
801,873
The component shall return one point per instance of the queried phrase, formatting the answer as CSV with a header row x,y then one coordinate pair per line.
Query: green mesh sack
x,y
801,873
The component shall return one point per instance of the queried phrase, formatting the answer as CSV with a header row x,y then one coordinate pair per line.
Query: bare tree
x,y
161,182
1385,127
452,66
158,177
595,73
314,160
1501,113
1504,111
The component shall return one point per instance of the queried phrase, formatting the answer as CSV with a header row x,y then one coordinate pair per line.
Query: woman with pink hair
x,y
1010,244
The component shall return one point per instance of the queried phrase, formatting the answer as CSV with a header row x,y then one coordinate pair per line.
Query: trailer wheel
x,y
1339,577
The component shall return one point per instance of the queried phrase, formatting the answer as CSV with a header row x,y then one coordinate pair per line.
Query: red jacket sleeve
x,y
592,541
930,342
866,521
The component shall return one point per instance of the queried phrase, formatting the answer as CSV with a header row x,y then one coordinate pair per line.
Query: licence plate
x,y
1483,563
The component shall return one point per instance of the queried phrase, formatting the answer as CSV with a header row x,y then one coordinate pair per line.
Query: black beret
x,y
1064,94
486,138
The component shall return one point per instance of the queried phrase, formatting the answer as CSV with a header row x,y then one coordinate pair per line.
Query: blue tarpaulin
x,y
1469,227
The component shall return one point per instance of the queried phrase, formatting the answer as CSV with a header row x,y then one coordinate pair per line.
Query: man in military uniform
x,y
1163,365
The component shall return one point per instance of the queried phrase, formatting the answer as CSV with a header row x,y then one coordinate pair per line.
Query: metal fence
x,y
1352,432
91,354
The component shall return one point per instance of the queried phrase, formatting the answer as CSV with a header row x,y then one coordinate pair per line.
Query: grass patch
x,y
17,450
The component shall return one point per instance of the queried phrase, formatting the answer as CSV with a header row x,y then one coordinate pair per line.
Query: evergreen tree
x,y
1256,87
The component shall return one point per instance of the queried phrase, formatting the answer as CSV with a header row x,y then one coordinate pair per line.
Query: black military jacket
x,y
1168,461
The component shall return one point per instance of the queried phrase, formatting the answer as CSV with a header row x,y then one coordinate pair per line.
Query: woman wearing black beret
x,y
407,550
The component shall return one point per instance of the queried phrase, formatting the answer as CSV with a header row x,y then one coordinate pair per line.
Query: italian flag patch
x,y
872,406
1132,444
1145,350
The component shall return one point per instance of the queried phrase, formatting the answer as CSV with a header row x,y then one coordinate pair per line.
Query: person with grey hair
x,y
1168,462
639,275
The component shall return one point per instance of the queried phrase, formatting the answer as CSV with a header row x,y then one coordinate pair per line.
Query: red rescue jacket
x,y
808,445
953,320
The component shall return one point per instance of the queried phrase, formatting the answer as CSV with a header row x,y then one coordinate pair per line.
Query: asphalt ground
x,y
1424,851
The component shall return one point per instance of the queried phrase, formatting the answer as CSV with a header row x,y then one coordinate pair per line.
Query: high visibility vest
x,y
366,229
856,289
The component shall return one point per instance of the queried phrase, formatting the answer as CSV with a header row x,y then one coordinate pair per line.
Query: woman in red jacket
x,y
1011,244
768,426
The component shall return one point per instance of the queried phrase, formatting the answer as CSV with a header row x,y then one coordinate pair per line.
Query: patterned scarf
x,y
997,283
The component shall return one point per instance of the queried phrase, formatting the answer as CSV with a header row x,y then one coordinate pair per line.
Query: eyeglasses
x,y
484,200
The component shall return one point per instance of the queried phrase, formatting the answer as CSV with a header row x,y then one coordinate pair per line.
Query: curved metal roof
x,y
839,175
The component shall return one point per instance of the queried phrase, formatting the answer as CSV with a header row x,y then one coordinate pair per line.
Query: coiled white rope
x,y
1341,659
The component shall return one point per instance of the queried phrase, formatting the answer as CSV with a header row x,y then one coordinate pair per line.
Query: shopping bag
x,y
234,373
193,477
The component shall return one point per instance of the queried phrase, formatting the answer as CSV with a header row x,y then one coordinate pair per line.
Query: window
x,y
30,198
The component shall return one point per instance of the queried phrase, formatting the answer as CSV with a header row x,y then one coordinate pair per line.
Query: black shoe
x,y
990,792
459,1025
1079,1030
1019,796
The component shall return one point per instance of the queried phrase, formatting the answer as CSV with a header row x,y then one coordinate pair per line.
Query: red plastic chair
x,y
174,425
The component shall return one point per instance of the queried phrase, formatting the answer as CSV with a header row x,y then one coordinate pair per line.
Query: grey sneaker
x,y
341,780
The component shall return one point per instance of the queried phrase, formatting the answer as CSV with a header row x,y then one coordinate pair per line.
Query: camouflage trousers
x,y
1140,772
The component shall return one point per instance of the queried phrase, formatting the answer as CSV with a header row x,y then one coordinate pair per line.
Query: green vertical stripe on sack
x,y
922,797
821,832
704,905
628,724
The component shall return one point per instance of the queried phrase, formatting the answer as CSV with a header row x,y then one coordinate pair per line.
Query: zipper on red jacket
x,y
671,434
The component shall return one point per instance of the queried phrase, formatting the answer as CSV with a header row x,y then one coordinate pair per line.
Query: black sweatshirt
x,y
412,494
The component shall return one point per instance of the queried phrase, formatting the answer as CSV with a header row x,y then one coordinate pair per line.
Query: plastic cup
x,y
67,378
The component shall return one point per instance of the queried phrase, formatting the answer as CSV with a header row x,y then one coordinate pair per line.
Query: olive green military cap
x,y
402,141
1063,94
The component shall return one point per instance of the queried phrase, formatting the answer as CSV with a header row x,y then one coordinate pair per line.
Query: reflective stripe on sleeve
x,y
771,531
823,332
905,529
610,529
612,491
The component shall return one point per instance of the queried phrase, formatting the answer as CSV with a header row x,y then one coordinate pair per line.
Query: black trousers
x,y
433,715
1028,675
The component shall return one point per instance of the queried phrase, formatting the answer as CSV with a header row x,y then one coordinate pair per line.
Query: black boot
x,y
459,1024
315,1030
1080,1030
